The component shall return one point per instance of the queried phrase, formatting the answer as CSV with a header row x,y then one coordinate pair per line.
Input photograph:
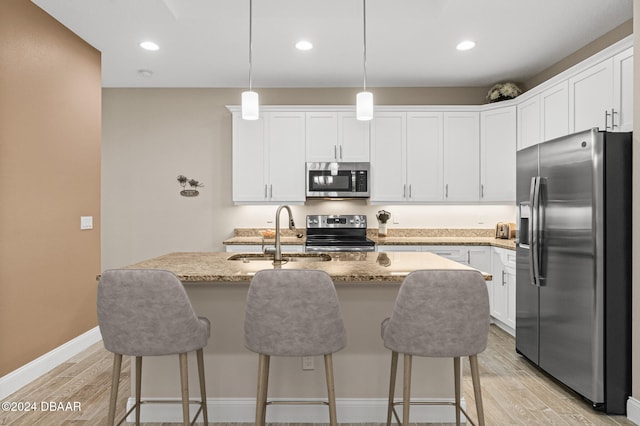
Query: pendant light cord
x,y
364,47
250,41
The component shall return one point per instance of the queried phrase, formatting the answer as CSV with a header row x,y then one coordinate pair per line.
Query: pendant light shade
x,y
364,99
250,102
250,105
364,106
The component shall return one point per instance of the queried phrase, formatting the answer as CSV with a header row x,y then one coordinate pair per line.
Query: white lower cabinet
x,y
503,296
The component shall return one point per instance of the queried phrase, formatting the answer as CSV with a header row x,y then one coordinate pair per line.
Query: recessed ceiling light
x,y
149,45
466,45
304,45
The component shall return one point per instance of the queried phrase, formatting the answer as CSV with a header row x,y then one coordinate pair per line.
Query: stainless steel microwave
x,y
337,180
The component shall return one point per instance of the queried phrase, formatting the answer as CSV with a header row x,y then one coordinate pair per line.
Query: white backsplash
x,y
402,216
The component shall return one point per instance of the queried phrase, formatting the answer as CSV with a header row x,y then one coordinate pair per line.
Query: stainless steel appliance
x,y
337,180
331,233
573,254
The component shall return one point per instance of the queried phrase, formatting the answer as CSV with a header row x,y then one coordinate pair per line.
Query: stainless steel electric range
x,y
335,233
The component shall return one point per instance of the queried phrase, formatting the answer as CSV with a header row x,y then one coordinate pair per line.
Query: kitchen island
x,y
367,285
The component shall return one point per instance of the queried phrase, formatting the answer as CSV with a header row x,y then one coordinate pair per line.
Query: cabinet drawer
x,y
456,253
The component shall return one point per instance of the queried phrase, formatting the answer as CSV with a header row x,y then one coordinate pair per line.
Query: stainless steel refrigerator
x,y
573,254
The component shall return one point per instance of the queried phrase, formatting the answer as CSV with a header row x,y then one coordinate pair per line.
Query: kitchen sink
x,y
286,257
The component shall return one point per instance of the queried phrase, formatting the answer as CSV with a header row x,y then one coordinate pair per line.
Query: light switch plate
x,y
86,222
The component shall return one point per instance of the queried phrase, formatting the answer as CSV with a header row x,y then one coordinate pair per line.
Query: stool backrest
x,y
144,312
440,313
293,313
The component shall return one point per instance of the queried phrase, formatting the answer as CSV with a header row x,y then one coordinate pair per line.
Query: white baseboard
x,y
349,410
633,410
39,366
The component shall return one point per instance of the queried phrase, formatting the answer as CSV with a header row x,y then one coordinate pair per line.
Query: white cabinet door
x,y
591,97
249,165
498,155
555,111
353,138
388,166
286,134
623,91
503,307
529,122
321,136
461,156
336,136
424,156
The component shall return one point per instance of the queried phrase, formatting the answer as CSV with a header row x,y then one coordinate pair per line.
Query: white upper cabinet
x,y
498,154
602,95
388,158
554,103
407,157
528,119
623,91
424,156
591,97
336,136
461,156
268,158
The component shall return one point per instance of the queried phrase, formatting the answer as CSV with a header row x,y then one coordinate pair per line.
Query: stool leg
x,y
203,390
138,388
456,385
115,382
475,377
263,384
331,392
406,392
184,384
392,385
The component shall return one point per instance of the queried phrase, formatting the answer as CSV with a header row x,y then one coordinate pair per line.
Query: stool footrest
x,y
395,413
293,402
161,401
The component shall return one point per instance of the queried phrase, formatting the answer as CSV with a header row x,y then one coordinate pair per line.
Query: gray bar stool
x,y
442,313
293,313
145,312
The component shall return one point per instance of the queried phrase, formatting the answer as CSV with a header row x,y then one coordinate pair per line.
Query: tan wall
x,y
49,177
581,54
635,378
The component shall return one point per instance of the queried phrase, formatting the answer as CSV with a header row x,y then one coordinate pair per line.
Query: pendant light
x,y
364,99
250,103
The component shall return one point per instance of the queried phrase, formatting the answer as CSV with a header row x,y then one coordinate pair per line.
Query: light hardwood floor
x,y
514,393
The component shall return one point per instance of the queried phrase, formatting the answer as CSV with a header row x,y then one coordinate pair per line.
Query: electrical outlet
x,y
307,363
395,220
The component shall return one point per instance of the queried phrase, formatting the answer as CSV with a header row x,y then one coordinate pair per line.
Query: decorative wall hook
x,y
183,180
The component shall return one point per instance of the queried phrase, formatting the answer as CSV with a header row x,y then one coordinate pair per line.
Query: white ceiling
x,y
205,43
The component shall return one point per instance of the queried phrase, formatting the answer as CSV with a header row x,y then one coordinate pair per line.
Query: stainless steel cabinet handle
x,y
446,191
503,273
265,190
335,152
613,119
341,152
409,190
271,191
482,191
469,257
404,191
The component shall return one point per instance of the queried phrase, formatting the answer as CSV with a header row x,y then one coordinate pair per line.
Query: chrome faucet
x,y
277,258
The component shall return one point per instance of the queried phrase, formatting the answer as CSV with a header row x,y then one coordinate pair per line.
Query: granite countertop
x,y
395,236
212,267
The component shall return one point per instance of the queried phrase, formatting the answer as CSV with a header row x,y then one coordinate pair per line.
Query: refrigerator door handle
x,y
534,226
